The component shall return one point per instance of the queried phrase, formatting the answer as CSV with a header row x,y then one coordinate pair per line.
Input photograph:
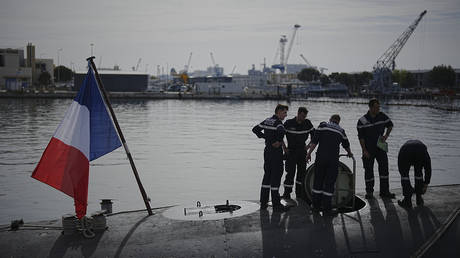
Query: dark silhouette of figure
x,y
328,136
272,130
414,153
297,131
371,128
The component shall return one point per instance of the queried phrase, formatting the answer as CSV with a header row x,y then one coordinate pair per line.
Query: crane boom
x,y
138,63
382,70
387,60
304,59
296,27
233,70
188,63
212,59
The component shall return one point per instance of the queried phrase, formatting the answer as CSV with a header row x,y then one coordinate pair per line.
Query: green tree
x,y
308,74
343,78
62,74
324,79
44,78
364,78
404,78
442,77
353,81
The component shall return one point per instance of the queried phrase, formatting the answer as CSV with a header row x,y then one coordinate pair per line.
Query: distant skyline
x,y
343,36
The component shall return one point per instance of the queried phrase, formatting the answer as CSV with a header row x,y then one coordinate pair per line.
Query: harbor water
x,y
191,150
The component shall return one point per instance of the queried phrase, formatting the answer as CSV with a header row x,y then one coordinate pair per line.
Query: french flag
x,y
85,134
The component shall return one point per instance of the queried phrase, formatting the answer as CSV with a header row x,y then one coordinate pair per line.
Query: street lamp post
x,y
58,69
72,66
92,45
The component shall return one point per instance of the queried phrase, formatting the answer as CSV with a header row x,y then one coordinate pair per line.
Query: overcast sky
x,y
342,35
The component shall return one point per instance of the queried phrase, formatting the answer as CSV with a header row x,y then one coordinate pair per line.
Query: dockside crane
x,y
187,66
212,59
233,70
306,61
183,75
215,66
282,44
320,69
137,65
384,66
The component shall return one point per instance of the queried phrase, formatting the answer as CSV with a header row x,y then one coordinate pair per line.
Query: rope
x,y
86,224
87,227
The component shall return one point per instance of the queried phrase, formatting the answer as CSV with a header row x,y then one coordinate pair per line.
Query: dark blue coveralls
x,y
328,136
273,131
370,129
414,153
297,135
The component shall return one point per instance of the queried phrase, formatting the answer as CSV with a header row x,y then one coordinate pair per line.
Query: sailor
x,y
328,136
297,131
371,128
272,130
414,153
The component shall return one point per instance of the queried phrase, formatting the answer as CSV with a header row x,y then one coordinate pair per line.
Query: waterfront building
x,y
18,73
280,78
216,85
14,75
210,71
215,70
256,78
295,68
200,73
117,80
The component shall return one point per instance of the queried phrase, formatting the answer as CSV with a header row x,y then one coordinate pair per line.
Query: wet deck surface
x,y
380,229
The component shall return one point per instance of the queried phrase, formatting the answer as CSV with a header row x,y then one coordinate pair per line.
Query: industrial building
x,y
117,81
18,73
14,75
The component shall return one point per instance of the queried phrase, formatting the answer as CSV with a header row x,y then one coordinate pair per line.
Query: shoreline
x,y
390,100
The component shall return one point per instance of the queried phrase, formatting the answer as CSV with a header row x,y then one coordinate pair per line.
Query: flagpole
x,y
122,138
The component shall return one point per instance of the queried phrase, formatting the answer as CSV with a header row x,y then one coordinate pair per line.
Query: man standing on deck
x,y
414,153
371,136
328,136
273,133
297,131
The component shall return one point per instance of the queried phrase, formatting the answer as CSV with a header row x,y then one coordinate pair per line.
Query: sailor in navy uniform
x,y
273,133
371,128
414,153
297,131
328,136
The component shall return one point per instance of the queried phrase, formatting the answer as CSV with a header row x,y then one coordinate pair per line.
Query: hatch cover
x,y
211,210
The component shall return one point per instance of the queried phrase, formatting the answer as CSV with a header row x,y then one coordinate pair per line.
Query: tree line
x,y
60,74
439,77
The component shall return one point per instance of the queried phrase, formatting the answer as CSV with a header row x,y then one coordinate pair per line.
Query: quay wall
x,y
420,101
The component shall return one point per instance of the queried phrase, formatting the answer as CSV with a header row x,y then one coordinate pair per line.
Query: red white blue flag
x,y
85,134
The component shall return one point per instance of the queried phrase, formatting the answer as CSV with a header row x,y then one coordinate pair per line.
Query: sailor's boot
x,y
406,202
286,196
419,200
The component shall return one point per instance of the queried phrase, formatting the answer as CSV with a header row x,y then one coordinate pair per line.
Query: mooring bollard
x,y
106,205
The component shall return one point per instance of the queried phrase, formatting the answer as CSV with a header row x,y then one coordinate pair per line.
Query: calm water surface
x,y
190,150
